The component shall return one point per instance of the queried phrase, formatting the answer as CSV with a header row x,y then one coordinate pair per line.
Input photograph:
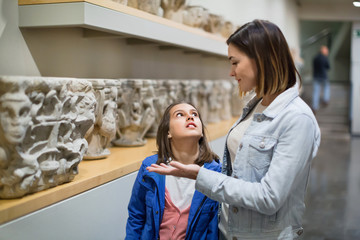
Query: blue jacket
x,y
147,202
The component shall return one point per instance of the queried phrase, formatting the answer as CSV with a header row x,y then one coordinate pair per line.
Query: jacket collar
x,y
279,103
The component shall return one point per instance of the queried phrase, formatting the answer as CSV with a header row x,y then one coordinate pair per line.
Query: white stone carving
x,y
195,16
136,112
150,6
173,9
104,129
43,122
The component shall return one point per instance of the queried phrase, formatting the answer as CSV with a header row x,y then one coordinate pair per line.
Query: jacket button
x,y
157,212
241,145
143,180
262,145
235,209
236,177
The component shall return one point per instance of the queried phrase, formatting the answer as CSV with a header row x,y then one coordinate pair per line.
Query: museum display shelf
x,y
93,173
109,17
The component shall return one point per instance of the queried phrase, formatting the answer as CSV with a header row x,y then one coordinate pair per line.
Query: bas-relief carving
x,y
204,99
150,6
103,131
136,112
215,101
173,9
43,122
227,29
123,2
195,16
160,104
225,91
214,24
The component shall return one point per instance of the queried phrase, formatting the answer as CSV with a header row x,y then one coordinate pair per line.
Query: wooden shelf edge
x,y
216,41
93,173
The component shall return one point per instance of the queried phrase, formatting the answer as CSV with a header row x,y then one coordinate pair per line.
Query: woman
x,y
170,208
268,151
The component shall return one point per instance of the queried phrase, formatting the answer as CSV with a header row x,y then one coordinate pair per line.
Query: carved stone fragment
x,y
173,9
150,6
195,16
104,129
136,112
43,123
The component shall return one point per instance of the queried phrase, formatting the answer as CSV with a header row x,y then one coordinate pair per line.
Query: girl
x,y
268,151
171,208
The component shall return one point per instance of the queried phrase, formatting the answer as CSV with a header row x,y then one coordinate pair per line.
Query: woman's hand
x,y
176,168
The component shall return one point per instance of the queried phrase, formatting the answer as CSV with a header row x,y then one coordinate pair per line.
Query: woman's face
x,y
184,122
243,68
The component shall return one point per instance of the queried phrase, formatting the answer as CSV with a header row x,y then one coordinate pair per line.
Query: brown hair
x,y
264,42
163,142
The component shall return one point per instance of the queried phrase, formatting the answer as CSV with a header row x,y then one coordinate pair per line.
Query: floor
x,y
333,197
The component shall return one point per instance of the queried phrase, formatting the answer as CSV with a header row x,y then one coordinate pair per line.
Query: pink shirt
x,y
174,222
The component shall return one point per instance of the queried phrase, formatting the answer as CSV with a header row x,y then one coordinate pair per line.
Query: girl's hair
x,y
163,142
264,42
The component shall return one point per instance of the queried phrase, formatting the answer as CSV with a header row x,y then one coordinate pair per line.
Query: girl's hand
x,y
176,168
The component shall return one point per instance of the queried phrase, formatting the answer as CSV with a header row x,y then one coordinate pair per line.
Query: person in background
x,y
320,67
268,151
170,207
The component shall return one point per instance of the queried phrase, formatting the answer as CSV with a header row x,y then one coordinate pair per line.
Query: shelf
x,y
114,18
93,173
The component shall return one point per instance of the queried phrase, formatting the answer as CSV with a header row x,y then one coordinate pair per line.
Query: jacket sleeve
x,y
289,164
136,208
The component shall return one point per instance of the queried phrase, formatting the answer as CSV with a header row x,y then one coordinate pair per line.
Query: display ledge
x,y
115,18
93,173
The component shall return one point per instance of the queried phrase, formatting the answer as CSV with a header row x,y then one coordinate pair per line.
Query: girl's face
x,y
243,68
184,122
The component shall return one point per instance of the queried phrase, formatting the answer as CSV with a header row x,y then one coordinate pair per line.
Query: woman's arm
x,y
290,163
177,169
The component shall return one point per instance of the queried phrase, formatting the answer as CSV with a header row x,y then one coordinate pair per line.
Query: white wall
x,y
15,57
284,13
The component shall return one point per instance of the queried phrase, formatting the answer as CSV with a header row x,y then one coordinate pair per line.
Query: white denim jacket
x,y
265,187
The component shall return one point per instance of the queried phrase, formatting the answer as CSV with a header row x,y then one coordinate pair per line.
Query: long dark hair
x,y
264,42
163,142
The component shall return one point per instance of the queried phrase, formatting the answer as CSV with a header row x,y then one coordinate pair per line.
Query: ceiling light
x,y
356,3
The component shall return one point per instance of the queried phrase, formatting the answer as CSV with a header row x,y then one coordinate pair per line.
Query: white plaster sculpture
x,y
43,122
204,99
160,104
227,29
123,2
195,16
214,24
104,128
150,6
215,101
173,9
226,91
173,89
194,92
136,112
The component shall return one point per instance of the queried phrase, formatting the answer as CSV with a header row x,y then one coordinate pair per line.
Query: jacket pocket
x,y
260,153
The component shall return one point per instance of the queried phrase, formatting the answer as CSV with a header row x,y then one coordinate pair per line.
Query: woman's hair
x,y
264,42
163,142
